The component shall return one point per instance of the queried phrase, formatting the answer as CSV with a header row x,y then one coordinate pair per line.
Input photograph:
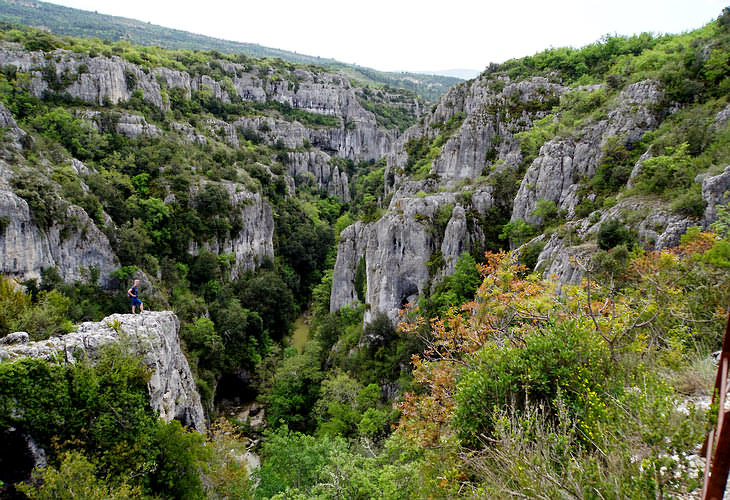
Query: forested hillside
x,y
516,294
80,23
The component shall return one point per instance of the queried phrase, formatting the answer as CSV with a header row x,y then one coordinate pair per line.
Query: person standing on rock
x,y
133,294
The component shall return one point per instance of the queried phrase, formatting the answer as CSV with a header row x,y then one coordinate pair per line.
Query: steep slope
x,y
270,122
554,146
81,23
439,206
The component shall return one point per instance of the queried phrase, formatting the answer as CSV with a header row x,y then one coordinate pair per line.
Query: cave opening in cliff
x,y
234,389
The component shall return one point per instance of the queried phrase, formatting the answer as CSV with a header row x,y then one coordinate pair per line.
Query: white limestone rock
x,y
151,335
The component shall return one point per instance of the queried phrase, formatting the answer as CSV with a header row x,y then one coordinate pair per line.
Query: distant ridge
x,y
81,23
464,74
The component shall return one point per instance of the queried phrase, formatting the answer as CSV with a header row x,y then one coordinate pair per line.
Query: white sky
x,y
414,35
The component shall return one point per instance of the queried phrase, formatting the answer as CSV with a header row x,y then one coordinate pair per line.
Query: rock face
x,y
100,80
715,191
353,142
493,113
555,173
254,243
657,228
397,251
471,145
314,168
425,230
126,124
14,133
153,336
72,245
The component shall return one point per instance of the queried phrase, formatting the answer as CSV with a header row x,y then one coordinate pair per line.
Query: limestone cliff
x,y
315,169
72,245
253,243
431,221
112,80
151,335
467,158
563,161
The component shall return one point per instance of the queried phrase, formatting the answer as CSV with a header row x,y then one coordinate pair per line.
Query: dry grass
x,y
697,378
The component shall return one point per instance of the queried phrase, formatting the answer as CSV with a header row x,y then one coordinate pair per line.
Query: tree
x,y
75,478
295,389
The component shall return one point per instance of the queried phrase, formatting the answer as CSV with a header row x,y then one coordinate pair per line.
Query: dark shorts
x,y
136,301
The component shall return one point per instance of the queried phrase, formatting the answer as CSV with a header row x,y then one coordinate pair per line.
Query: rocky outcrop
x,y
398,251
715,191
128,125
151,335
416,243
225,131
564,258
352,142
72,245
493,111
350,250
254,242
96,80
189,133
722,117
562,161
493,118
14,133
133,126
314,168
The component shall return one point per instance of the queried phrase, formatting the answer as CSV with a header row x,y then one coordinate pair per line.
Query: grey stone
x,y
126,124
189,133
15,338
72,245
397,249
657,227
722,117
153,336
98,80
315,167
14,133
562,161
715,192
254,242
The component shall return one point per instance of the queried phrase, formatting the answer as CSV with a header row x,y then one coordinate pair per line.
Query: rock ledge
x,y
152,335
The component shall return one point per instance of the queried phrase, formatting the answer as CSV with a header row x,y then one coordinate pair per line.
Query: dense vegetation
x,y
503,385
79,23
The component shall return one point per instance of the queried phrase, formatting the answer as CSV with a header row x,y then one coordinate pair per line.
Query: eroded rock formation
x,y
151,335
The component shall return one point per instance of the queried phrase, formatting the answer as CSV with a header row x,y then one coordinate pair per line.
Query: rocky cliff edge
x,y
151,335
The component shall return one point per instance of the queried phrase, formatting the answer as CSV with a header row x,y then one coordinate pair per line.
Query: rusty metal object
x,y
716,449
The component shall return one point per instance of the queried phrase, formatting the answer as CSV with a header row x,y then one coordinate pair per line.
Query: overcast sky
x,y
415,35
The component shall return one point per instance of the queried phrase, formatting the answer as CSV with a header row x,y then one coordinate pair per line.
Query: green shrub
x,y
48,318
690,203
565,361
293,460
76,477
13,304
295,389
361,280
660,174
615,167
518,232
613,233
455,289
530,253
